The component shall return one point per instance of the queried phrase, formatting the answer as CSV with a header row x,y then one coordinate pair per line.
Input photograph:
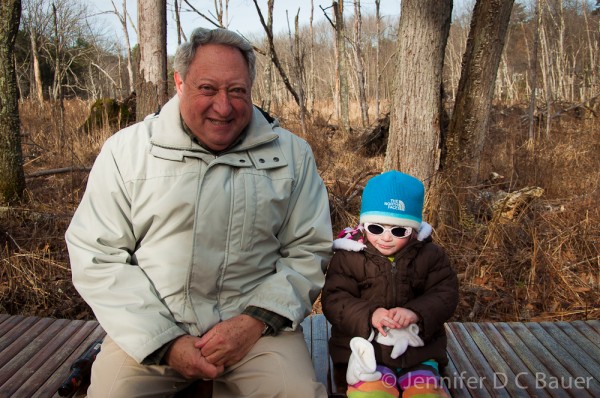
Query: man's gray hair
x,y
200,36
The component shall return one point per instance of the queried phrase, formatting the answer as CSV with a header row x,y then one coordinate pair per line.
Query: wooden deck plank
x,y
503,376
36,354
525,380
451,378
18,348
563,370
13,328
4,317
594,324
537,362
75,346
579,376
469,376
320,352
306,325
472,346
586,356
39,374
587,329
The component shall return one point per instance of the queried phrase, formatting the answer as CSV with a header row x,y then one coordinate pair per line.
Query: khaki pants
x,y
278,366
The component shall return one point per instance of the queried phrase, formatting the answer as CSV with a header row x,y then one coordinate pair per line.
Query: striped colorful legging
x,y
421,381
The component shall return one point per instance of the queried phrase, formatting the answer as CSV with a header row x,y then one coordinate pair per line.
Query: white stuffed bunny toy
x,y
361,365
400,339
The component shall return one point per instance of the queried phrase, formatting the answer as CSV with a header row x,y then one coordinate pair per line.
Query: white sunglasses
x,y
398,232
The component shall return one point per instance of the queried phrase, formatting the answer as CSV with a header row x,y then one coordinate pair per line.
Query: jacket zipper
x,y
394,272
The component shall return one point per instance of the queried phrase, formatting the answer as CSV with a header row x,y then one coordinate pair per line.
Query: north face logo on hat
x,y
395,204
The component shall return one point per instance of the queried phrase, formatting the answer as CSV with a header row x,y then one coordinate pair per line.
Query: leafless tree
x,y
416,111
273,53
340,57
359,65
470,118
377,57
533,71
36,21
177,12
12,183
299,69
152,92
123,18
268,78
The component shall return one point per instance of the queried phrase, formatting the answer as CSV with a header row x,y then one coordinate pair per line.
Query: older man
x,y
202,239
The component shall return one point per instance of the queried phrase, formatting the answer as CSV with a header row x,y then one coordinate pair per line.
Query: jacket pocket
x,y
264,199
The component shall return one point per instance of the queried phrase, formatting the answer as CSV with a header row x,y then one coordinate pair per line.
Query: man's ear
x,y
178,82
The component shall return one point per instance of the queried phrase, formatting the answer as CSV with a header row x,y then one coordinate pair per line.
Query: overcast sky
x,y
243,17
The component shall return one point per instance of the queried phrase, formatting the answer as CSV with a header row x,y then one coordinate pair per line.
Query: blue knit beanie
x,y
393,198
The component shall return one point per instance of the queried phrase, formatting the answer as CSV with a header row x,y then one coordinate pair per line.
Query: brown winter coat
x,y
357,283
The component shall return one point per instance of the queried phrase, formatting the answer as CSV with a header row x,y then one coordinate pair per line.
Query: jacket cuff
x,y
158,356
275,321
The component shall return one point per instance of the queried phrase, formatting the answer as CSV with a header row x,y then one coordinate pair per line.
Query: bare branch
x,y
275,58
202,15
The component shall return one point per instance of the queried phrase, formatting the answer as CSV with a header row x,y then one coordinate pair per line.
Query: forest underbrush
x,y
526,247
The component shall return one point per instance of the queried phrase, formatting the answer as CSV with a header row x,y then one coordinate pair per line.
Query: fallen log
x,y
62,170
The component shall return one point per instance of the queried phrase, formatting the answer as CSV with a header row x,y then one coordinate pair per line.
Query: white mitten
x,y
361,365
401,339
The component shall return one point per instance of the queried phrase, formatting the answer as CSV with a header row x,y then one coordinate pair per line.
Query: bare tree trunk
x,y
58,89
546,69
152,91
377,58
298,57
592,48
268,78
416,112
35,20
470,119
312,72
57,72
360,65
533,72
177,6
340,53
37,74
12,183
123,20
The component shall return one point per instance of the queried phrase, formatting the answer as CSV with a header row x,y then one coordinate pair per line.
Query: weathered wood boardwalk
x,y
514,359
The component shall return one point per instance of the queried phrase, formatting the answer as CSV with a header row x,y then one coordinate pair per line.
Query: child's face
x,y
386,242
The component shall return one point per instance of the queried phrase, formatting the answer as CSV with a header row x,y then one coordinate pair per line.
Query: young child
x,y
387,298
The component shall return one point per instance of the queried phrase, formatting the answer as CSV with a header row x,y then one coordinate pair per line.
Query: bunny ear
x,y
365,353
399,348
413,336
361,365
400,339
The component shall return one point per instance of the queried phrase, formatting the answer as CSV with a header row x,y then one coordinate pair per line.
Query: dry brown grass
x,y
541,264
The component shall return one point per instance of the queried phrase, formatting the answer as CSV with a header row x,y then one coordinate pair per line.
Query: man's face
x,y
216,97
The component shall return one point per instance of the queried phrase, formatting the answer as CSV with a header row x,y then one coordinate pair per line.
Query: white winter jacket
x,y
169,239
